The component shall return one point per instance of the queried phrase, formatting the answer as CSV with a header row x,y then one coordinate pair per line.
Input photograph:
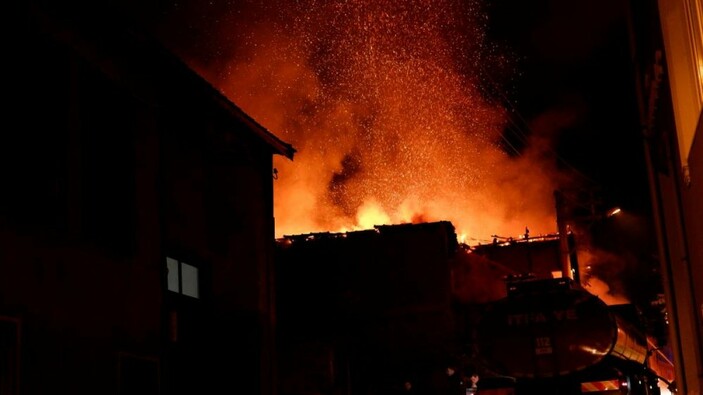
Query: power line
x,y
519,127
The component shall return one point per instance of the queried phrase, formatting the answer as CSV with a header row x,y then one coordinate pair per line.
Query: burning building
x,y
359,309
352,304
372,305
538,256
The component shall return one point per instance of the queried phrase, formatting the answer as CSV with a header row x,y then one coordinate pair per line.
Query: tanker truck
x,y
550,336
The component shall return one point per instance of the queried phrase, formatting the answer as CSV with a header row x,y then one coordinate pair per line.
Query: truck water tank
x,y
553,333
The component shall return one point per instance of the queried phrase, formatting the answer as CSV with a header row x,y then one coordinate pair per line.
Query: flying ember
x,y
396,111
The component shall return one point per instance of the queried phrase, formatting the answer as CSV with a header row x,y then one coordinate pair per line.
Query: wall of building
x,y
667,55
115,157
375,306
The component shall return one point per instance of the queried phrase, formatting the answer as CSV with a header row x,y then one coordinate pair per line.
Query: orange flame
x,y
387,105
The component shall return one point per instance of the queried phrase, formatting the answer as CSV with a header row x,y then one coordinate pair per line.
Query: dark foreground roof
x,y
135,59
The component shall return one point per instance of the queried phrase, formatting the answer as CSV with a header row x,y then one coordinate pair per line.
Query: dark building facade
x,y
539,256
136,219
361,311
667,57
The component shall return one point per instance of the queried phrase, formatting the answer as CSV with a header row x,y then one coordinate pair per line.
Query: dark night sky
x,y
573,58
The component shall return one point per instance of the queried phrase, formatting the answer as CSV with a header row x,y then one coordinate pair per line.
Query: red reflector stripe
x,y
595,386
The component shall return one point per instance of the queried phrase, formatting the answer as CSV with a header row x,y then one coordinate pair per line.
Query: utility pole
x,y
563,241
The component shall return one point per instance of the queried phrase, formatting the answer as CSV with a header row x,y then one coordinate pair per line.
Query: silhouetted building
x,y
538,256
667,55
361,310
136,218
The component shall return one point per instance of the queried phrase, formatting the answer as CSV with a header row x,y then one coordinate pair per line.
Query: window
x,y
182,278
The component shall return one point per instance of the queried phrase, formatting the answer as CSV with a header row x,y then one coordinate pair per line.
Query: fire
x,y
372,214
600,272
602,290
393,109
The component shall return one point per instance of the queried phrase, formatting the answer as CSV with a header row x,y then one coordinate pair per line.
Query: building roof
x,y
131,56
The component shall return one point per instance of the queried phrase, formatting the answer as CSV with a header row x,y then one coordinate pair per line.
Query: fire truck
x,y
550,336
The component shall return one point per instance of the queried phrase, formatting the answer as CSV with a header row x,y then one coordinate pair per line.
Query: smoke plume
x,y
395,108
